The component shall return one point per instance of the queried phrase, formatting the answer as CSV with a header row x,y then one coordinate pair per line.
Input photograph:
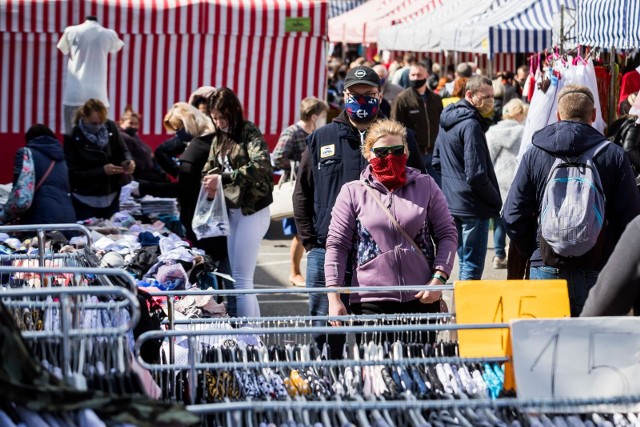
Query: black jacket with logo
x,y
332,158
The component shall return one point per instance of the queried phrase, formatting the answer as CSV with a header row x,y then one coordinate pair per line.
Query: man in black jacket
x,y
570,138
331,159
418,109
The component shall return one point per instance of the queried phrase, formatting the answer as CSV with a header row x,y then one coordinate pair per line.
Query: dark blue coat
x,y
332,158
462,157
51,202
522,207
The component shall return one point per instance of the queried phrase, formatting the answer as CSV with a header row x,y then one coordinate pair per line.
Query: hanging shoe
x,y
499,262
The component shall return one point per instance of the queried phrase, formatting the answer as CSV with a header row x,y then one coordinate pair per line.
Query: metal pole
x,y
561,29
66,350
612,89
172,342
41,248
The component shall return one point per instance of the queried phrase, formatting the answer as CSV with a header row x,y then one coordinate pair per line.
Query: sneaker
x,y
499,262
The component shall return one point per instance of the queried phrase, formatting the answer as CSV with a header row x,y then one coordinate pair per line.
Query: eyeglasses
x,y
382,152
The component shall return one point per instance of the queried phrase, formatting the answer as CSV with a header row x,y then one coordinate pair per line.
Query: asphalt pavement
x,y
272,272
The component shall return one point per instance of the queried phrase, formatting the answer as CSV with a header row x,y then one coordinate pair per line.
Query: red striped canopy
x,y
171,48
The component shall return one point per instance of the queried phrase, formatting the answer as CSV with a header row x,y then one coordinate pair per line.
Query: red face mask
x,y
390,170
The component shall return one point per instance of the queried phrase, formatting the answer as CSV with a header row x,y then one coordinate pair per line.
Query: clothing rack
x,y
68,308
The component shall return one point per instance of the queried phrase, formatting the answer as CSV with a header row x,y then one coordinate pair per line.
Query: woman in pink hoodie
x,y
383,255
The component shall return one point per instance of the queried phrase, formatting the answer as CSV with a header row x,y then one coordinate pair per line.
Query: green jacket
x,y
245,166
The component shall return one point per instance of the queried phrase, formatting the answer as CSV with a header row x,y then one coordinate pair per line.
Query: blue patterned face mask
x,y
361,108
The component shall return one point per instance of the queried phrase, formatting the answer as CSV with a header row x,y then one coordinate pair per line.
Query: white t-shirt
x,y
88,46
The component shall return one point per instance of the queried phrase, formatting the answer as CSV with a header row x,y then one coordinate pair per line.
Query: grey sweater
x,y
617,290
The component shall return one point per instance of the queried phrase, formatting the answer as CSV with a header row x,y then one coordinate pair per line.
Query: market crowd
x,y
408,165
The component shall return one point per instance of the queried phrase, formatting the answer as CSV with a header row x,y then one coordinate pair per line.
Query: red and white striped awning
x,y
171,48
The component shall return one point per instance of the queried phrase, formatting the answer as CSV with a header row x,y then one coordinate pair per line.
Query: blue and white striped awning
x,y
609,23
338,7
528,31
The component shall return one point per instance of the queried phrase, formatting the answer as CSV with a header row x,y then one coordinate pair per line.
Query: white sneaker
x,y
499,262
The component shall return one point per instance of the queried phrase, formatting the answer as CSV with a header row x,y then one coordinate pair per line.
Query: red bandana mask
x,y
390,170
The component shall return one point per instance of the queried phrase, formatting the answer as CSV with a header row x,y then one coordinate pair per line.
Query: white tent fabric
x,y
609,23
362,24
424,35
528,31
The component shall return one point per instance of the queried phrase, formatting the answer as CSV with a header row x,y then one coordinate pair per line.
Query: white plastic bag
x,y
210,218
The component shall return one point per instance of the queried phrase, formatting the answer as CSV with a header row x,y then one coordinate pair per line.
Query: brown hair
x,y
89,107
129,114
459,85
310,106
383,128
575,102
227,103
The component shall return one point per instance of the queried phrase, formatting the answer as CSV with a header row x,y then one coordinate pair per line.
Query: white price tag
x,y
577,358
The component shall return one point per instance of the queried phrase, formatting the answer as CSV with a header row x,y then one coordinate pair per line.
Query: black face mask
x,y
417,84
131,131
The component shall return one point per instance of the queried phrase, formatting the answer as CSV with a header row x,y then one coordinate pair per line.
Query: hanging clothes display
x,y
548,83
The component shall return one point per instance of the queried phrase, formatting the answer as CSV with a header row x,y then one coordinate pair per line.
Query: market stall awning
x,y
271,52
472,34
425,34
609,23
362,24
339,7
529,30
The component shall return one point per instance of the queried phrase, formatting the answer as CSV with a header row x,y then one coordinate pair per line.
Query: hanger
x,y
361,415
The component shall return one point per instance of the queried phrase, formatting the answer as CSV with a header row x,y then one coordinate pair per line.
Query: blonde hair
x,y
187,116
513,109
576,102
310,106
89,107
129,114
383,128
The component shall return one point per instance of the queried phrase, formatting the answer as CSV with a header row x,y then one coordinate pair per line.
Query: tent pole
x,y
612,95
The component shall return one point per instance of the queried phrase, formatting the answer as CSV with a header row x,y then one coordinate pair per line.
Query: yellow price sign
x,y
499,301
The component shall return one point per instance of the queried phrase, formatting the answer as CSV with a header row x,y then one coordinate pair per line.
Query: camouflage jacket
x,y
247,172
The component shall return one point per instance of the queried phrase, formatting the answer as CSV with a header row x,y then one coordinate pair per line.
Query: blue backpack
x,y
573,207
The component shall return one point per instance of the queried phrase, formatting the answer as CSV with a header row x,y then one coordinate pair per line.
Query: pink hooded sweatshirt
x,y
382,255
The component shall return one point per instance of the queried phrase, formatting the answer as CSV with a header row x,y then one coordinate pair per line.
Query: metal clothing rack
x,y
70,303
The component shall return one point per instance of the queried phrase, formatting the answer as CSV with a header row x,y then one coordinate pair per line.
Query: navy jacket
x,y
462,157
331,159
52,202
522,207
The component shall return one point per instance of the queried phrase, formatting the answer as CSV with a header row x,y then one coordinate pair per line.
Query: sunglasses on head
x,y
381,152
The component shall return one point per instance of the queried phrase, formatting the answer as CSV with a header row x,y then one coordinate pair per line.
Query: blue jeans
x,y
473,237
426,158
499,237
579,282
319,303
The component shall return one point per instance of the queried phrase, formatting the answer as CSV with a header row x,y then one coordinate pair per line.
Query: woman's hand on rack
x,y
211,184
111,169
336,308
429,297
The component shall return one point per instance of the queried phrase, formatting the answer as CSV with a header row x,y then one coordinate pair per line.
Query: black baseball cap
x,y
361,75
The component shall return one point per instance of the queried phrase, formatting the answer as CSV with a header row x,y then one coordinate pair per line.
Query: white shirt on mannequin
x,y
88,46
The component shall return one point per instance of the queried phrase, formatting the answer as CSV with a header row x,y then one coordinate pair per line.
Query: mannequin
x,y
87,46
